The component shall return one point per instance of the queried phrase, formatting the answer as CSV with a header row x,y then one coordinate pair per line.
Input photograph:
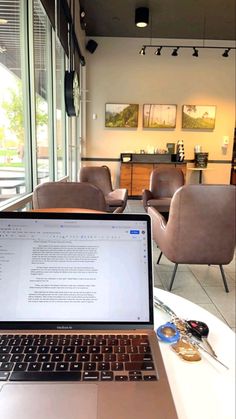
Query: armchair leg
x,y
159,258
173,276
224,278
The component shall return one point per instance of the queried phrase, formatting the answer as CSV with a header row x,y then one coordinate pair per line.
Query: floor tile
x,y
231,266
185,285
225,303
211,275
231,275
156,278
134,206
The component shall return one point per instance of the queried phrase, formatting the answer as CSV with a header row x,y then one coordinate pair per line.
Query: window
x,y
34,130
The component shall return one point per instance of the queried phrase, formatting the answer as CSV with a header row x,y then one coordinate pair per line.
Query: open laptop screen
x,y
65,269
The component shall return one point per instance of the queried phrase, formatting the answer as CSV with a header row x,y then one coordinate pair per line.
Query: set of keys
x,y
186,336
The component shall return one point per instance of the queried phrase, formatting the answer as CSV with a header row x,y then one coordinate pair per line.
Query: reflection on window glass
x,y
41,53
12,135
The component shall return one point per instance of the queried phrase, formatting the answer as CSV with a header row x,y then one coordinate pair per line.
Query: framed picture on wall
x,y
159,116
198,117
121,115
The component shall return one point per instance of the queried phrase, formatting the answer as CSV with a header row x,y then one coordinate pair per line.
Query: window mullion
x,y
51,102
27,58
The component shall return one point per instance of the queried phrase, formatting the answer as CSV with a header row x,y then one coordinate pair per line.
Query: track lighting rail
x,y
175,52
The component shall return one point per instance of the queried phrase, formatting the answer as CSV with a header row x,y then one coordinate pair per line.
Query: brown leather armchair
x,y
100,176
200,228
68,194
163,184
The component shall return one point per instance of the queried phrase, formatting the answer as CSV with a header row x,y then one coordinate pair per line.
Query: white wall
x,y
116,73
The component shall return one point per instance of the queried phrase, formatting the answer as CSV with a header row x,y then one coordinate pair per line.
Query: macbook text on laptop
x,y
76,319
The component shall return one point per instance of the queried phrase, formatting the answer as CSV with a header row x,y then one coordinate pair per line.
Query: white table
x,y
11,184
204,389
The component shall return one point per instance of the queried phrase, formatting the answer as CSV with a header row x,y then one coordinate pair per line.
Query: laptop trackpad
x,y
51,401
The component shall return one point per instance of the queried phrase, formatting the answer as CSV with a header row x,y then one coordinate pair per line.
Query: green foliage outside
x,y
197,123
128,118
14,111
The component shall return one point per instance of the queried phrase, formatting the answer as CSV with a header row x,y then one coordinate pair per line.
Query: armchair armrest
x,y
117,198
158,225
118,210
146,196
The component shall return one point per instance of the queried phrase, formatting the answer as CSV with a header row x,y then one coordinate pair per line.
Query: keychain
x,y
168,332
200,330
186,350
187,347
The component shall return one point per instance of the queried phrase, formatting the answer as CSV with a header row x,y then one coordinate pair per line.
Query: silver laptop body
x,y
76,319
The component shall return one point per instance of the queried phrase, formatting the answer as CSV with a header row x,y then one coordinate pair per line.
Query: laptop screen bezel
x,y
83,325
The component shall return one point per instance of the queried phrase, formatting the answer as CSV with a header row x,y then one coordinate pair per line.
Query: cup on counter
x,y
197,148
170,148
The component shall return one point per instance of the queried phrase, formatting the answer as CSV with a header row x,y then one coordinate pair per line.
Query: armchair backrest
x,y
164,182
201,225
68,194
99,176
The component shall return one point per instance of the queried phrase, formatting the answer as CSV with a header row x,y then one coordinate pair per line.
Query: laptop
x,y
77,339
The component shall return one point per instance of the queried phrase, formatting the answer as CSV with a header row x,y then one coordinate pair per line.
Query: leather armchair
x,y
116,199
163,184
68,194
200,228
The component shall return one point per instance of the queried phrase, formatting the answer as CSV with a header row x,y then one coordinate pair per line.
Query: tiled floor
x,y
200,284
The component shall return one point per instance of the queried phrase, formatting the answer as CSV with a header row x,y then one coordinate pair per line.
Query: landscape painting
x,y
159,116
118,115
198,117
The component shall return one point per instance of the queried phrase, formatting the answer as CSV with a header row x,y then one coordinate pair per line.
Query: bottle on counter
x,y
180,151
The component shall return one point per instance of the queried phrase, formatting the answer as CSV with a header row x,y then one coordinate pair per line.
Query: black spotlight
x,y
175,52
226,53
158,51
141,17
82,19
195,52
142,51
91,46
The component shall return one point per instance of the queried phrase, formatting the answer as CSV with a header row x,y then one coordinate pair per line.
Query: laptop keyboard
x,y
76,358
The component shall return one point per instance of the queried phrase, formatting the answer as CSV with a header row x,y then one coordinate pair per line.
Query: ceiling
x,y
185,19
